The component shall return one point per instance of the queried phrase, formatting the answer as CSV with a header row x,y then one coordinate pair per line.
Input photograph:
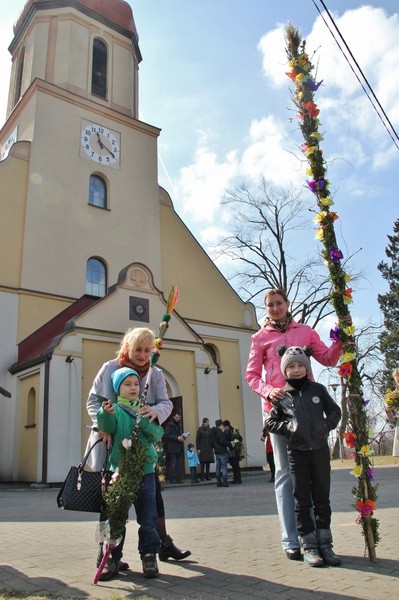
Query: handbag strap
x,y
86,456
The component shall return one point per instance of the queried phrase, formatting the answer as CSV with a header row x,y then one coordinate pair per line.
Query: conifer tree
x,y
389,305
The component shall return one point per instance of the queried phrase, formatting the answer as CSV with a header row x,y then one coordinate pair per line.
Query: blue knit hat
x,y
120,375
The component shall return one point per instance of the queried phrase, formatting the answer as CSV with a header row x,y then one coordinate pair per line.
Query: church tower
x,y
92,199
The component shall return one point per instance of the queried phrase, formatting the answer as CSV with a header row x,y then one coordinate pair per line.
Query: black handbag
x,y
83,490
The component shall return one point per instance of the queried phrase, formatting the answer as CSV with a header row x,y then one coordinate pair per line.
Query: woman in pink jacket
x,y
265,378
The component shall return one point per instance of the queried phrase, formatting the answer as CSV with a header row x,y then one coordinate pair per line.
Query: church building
x,y
91,246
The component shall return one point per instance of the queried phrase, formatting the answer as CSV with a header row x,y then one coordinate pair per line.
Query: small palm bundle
x,y
125,484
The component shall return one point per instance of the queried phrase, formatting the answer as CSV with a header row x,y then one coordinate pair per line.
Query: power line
x,y
391,132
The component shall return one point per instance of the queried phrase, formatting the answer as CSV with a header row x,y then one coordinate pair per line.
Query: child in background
x,y
119,419
193,462
305,416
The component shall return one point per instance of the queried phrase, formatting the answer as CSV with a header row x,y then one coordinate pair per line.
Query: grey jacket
x,y
157,396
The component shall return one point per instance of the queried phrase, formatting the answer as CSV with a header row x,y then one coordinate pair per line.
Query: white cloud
x,y
202,184
269,153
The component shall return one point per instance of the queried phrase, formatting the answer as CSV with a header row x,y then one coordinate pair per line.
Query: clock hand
x,y
99,141
108,150
103,146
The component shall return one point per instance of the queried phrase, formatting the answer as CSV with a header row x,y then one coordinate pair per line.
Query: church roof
x,y
40,343
114,12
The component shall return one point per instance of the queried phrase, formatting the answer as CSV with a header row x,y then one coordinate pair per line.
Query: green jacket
x,y
120,425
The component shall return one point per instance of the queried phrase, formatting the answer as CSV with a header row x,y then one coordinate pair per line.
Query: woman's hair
x,y
133,338
274,291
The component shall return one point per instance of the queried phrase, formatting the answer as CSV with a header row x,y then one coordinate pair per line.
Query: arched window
x,y
31,409
99,69
96,277
18,80
97,191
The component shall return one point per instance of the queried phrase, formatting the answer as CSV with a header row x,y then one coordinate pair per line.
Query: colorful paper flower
x,y
350,330
350,439
319,234
326,202
335,334
311,108
345,370
357,470
320,216
365,450
317,136
312,85
347,296
335,254
365,508
347,357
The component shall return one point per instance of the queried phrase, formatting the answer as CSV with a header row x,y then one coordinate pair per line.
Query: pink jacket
x,y
263,369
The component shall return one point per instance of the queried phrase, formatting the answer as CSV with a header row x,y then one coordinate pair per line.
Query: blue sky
x,y
213,79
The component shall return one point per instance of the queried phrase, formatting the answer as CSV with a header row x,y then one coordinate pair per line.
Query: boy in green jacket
x,y
119,419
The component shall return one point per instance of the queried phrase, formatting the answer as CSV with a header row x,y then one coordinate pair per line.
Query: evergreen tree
x,y
389,305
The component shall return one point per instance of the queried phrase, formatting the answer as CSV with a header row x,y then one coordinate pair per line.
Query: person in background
x,y
193,462
120,419
175,447
269,454
305,416
134,352
205,448
221,446
235,453
264,377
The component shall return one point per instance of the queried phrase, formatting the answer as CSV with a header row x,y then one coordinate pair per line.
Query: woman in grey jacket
x,y
135,352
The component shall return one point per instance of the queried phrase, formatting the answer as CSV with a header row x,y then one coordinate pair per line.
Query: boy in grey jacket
x,y
305,416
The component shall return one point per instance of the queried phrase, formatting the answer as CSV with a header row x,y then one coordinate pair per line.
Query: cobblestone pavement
x,y
233,534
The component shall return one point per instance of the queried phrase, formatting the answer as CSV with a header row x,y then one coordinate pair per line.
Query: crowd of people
x,y
298,414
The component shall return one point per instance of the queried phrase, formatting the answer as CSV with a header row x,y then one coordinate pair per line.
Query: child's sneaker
x,y
150,566
313,558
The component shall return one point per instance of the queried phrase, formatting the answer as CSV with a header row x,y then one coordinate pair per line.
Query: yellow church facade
x,y
91,246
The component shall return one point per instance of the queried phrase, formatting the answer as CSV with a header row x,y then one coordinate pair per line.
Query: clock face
x,y
12,138
100,144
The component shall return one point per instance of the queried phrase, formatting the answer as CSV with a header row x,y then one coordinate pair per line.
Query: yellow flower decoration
x,y
326,202
347,277
317,136
357,470
348,357
309,171
320,216
346,299
319,235
349,330
300,77
365,450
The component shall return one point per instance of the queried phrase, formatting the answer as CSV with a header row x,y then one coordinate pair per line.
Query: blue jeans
x,y
146,516
221,466
284,493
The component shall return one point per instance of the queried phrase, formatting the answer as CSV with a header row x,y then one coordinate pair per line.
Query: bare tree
x,y
371,370
266,221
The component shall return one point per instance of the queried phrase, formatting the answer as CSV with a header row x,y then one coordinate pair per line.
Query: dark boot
x,y
310,545
169,550
325,547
